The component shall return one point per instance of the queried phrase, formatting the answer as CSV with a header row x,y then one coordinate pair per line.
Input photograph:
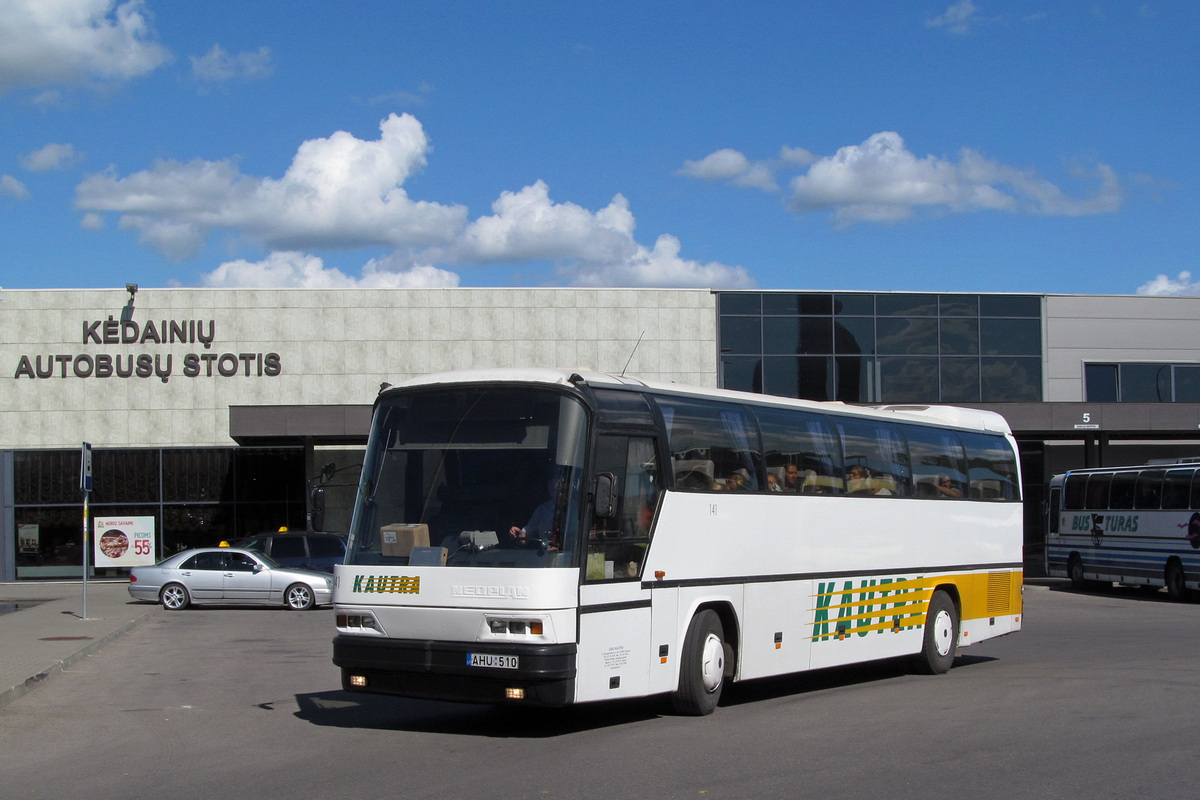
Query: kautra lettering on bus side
x,y
864,620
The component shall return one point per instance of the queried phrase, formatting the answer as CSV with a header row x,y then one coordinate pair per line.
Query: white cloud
x,y
51,157
882,181
590,248
72,42
1179,286
91,222
527,226
338,192
732,166
957,19
12,187
217,66
661,267
301,270
342,192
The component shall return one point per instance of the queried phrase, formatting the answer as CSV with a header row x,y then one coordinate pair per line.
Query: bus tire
x,y
1075,571
1175,580
701,667
941,636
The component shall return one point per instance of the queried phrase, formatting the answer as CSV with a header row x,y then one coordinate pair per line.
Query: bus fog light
x,y
358,680
514,693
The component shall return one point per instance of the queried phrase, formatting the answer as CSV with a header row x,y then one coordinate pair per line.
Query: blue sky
x,y
928,146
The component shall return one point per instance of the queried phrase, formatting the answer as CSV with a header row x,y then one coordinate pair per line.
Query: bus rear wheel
x,y
941,636
1175,580
702,666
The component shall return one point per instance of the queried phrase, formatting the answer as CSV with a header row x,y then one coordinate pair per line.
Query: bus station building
x,y
210,412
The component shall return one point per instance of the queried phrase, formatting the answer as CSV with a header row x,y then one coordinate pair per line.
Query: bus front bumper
x,y
544,675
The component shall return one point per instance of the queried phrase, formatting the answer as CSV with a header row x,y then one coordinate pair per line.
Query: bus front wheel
x,y
1075,571
941,635
702,666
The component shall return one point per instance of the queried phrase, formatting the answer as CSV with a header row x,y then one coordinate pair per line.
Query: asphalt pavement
x,y
43,629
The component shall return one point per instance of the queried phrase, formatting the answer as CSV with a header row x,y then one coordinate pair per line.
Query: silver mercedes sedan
x,y
228,575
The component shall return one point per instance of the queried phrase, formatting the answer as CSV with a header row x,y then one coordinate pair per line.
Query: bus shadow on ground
x,y
1144,594
823,680
341,709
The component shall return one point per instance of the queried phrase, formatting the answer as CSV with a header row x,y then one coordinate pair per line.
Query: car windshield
x,y
266,559
492,475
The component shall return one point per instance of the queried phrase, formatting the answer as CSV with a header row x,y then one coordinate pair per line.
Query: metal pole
x,y
86,557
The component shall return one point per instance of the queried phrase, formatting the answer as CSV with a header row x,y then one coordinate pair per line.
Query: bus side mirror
x,y
604,495
317,503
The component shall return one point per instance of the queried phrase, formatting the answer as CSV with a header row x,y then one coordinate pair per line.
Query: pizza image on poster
x,y
114,544
124,541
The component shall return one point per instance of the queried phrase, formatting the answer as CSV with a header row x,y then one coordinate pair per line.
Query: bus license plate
x,y
491,660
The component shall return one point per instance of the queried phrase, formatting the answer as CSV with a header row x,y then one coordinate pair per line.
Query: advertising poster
x,y
28,539
124,541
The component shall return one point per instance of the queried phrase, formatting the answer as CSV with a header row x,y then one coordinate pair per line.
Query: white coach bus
x,y
550,537
1137,525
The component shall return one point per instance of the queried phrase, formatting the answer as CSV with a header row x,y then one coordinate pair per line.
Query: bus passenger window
x,y
801,452
1149,489
714,446
1175,488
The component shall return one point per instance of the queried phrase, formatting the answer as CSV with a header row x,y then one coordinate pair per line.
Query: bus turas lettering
x,y
386,584
1108,523
896,606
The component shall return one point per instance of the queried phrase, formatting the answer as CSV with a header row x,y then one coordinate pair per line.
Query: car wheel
x,y
941,636
174,597
702,666
299,597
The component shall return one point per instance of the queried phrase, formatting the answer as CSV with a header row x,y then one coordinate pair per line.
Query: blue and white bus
x,y
552,537
1137,525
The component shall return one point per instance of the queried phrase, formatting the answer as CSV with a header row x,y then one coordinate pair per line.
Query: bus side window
x,y
802,453
1149,489
939,464
1121,492
1175,488
991,467
714,446
1074,489
875,458
617,542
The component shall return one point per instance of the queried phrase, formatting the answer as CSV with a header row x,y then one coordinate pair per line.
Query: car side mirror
x,y
604,495
317,504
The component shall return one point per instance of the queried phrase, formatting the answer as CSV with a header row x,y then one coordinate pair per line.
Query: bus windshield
x,y
491,475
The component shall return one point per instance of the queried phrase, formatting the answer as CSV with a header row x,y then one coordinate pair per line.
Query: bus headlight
x,y
507,627
358,623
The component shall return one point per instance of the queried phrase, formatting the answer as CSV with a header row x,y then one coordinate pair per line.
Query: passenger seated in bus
x,y
773,484
739,481
859,480
946,487
791,478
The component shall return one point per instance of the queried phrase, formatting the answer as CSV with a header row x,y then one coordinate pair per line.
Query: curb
x,y
32,683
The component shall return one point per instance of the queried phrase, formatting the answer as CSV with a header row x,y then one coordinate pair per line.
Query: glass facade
x,y
198,498
1142,383
883,348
